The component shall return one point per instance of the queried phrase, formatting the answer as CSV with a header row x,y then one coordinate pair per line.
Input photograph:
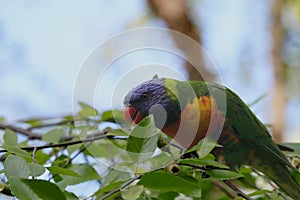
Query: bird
x,y
190,110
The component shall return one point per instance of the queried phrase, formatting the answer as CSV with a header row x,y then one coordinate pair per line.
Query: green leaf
x,y
36,169
258,192
2,119
82,135
44,189
17,151
86,172
204,147
164,182
61,160
10,138
63,171
132,193
104,148
223,174
115,116
118,132
21,190
70,195
167,195
113,185
87,110
32,122
16,166
115,176
41,157
203,162
160,160
53,136
143,139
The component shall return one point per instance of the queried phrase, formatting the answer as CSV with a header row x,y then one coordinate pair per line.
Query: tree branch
x,y
126,184
270,183
64,144
120,188
174,13
236,190
279,99
50,124
22,131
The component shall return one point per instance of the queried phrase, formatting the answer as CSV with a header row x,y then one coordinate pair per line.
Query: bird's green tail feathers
x,y
280,175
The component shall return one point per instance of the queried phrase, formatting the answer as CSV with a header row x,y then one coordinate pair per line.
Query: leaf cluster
x,y
117,161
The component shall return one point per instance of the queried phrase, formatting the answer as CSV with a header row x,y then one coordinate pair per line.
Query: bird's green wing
x,y
246,126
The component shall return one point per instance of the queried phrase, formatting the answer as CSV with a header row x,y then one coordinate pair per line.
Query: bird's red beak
x,y
132,115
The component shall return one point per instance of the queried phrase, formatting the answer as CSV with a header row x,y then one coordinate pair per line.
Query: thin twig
x,y
224,189
121,188
50,124
270,183
236,190
127,183
33,155
64,144
71,159
31,135
22,131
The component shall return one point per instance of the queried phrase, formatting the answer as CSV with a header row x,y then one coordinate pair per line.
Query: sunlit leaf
x,y
41,157
115,116
143,139
118,132
113,185
10,138
86,172
132,193
115,176
36,169
62,171
53,136
87,110
16,166
17,151
204,147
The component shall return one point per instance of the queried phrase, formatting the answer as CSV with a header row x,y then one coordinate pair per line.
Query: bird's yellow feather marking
x,y
199,118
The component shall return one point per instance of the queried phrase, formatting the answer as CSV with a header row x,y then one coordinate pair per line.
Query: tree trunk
x,y
279,95
174,13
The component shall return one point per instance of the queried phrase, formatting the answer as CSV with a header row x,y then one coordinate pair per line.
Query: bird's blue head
x,y
151,97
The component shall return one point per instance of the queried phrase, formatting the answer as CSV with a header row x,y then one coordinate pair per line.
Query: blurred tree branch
x,y
174,13
279,98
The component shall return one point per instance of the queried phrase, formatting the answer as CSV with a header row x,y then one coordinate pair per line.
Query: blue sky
x,y
43,45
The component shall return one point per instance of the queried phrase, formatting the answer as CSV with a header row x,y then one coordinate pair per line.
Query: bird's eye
x,y
145,95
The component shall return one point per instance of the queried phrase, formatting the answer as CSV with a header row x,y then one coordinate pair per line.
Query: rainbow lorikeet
x,y
190,110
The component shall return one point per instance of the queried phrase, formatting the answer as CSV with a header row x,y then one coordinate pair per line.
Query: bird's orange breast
x,y
198,119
